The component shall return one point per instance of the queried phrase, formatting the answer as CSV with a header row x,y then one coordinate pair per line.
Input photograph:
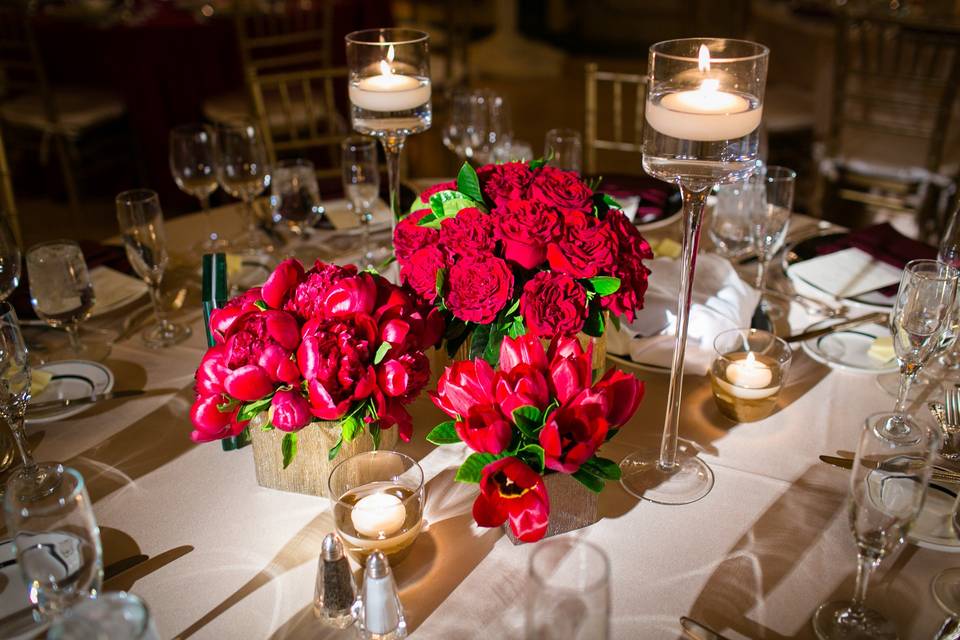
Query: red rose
x,y
553,304
631,240
586,247
526,228
420,271
628,299
572,434
484,429
437,188
509,489
561,189
409,236
504,182
479,288
469,233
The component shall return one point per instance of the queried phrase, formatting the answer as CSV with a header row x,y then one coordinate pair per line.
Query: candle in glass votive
x,y
748,373
389,91
748,376
378,515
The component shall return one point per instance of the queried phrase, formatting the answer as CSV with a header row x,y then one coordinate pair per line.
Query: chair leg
x,y
69,179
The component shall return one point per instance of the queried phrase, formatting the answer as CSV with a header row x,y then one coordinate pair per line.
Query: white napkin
x,y
721,301
343,218
112,288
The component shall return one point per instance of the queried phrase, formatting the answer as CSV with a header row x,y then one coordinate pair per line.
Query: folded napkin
x,y
721,301
644,199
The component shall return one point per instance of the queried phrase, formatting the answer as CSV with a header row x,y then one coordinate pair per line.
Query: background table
x,y
229,559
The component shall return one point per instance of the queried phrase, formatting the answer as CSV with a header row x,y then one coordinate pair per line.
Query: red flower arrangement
x,y
521,247
324,344
539,412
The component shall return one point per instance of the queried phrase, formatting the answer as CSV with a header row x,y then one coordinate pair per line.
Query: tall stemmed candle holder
x,y
703,110
390,91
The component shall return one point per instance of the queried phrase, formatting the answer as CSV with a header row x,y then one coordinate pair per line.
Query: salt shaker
x,y
378,611
336,590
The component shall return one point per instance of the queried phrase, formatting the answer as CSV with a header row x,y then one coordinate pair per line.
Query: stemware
x,y
243,172
921,314
117,616
887,485
295,198
194,168
361,184
730,224
703,110
770,215
512,150
15,385
949,253
9,260
389,91
141,225
478,123
56,538
563,149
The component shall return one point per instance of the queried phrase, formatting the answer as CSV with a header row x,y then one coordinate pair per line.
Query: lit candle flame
x,y
391,54
385,68
703,62
751,360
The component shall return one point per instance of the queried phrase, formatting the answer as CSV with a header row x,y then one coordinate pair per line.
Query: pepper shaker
x,y
336,589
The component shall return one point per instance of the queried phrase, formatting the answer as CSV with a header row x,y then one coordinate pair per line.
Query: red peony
x,y
404,377
510,490
586,248
420,271
479,287
308,299
502,183
553,304
561,189
470,233
526,229
408,237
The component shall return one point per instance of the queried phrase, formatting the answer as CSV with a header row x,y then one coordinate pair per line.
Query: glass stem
x,y
761,273
694,201
365,241
73,333
251,218
208,218
908,373
392,146
866,563
20,437
158,305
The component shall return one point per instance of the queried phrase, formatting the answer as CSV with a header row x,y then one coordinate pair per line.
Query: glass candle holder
x,y
748,373
378,503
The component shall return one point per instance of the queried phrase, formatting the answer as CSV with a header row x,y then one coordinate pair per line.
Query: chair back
x,y
275,35
614,113
8,205
21,66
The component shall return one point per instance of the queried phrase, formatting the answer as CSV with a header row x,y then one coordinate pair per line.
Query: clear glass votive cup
x,y
748,372
378,501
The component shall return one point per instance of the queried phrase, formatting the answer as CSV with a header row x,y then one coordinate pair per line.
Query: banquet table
x,y
229,559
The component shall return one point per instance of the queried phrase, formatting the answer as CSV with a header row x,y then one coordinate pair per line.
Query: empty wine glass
x,y
117,616
56,538
61,293
243,173
9,260
920,316
194,168
887,485
512,150
14,383
770,215
295,198
730,220
949,253
361,184
478,121
563,149
141,225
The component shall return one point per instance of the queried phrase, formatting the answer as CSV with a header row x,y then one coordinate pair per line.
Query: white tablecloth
x,y
229,559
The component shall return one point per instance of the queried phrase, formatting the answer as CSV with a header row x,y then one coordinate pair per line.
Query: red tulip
x,y
248,383
210,423
509,489
352,295
282,282
523,385
462,385
291,411
484,429
527,349
572,434
571,368
623,393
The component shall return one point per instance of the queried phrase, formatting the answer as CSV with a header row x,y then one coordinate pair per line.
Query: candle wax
x,y
378,515
749,373
707,99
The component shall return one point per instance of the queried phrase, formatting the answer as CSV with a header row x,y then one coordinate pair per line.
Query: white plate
x,y
847,350
15,622
933,529
114,290
662,222
71,379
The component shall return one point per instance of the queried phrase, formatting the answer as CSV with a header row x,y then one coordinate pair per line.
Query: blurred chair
x,y
607,127
33,109
8,206
894,88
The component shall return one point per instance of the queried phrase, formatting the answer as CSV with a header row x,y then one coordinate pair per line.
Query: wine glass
x,y
563,149
512,150
921,313
361,184
56,538
770,215
61,293
194,168
569,595
141,225
295,198
243,173
887,485
730,224
465,129
949,253
9,260
117,615
15,384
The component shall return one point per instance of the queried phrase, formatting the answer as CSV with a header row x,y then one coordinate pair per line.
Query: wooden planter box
x,y
310,469
572,506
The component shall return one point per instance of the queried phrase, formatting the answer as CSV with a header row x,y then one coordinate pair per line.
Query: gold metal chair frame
x,y
637,83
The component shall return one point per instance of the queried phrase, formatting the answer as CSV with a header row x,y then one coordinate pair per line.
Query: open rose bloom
x,y
324,344
538,412
521,248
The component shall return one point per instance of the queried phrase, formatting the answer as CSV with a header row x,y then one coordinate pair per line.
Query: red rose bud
x,y
248,383
586,247
571,368
572,434
281,283
408,237
291,411
210,423
462,385
561,189
623,395
484,429
510,490
420,271
526,229
553,304
470,232
526,349
479,288
522,386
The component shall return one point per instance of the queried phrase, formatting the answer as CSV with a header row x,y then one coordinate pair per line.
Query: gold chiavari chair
x,y
619,128
8,206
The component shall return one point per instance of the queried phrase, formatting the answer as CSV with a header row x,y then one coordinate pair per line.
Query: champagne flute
x,y
9,260
361,184
194,168
887,485
61,292
295,198
243,173
921,313
141,224
563,149
949,253
770,215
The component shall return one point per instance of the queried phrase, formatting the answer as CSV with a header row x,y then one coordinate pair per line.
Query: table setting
x,y
527,404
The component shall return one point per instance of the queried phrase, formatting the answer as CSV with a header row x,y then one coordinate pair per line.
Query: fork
x,y
951,404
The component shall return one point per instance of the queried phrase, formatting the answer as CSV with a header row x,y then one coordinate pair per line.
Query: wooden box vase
x,y
310,469
572,506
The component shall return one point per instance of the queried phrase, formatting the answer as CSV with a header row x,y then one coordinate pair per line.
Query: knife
x,y
939,473
880,317
76,402
699,631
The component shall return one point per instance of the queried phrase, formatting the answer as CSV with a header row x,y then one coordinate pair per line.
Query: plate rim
x,y
72,411
809,350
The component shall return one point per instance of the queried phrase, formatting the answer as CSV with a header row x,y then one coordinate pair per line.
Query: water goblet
x,y
730,225
361,184
194,169
563,149
295,198
141,225
243,172
10,266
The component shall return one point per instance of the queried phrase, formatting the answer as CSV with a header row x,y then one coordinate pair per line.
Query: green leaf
x,y
446,204
480,338
430,220
386,263
381,352
350,428
492,353
289,448
260,304
533,455
335,449
441,278
588,480
472,467
516,328
602,468
615,321
468,183
594,325
251,409
512,308
605,285
529,420
444,433
226,406
374,429
457,334
418,204
611,202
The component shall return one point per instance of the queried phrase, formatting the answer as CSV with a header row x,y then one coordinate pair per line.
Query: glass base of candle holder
x,y
382,124
687,481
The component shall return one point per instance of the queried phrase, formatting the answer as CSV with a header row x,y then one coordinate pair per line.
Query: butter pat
x,y
39,380
234,264
666,248
882,349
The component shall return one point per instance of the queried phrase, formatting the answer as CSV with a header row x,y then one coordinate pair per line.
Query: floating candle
x,y
388,90
378,515
749,373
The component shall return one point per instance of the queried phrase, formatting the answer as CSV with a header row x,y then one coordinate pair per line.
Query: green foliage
x,y
350,428
288,446
602,468
444,433
472,468
249,410
594,325
588,480
381,352
335,449
468,183
533,455
529,421
604,285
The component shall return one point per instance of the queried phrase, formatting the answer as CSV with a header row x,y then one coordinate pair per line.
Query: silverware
x,y
941,474
951,405
76,402
810,304
115,568
698,630
879,317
